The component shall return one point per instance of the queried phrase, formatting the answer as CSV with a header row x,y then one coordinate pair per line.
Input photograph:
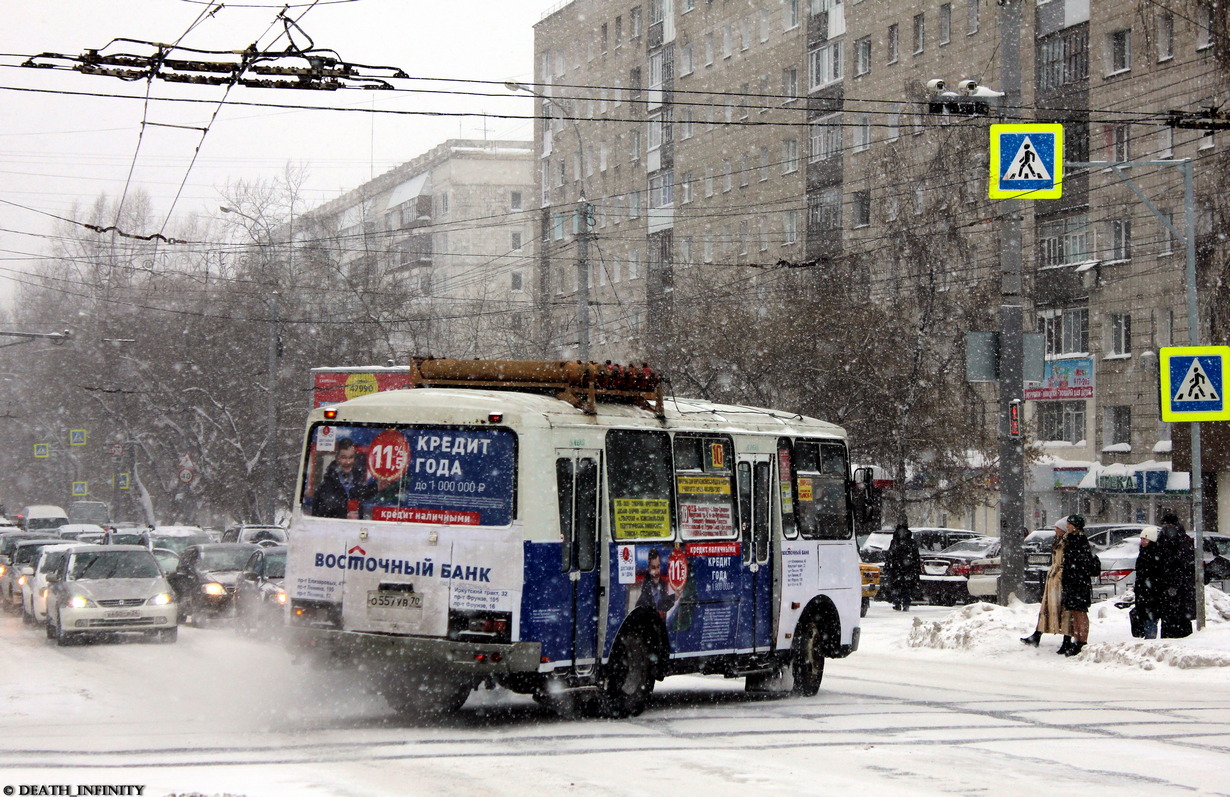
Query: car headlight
x,y
280,597
3,570
21,581
79,602
161,599
214,588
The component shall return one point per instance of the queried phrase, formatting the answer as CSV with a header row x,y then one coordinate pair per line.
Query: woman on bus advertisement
x,y
458,476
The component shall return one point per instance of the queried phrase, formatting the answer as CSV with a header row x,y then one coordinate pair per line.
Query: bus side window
x,y
745,509
761,508
586,514
563,480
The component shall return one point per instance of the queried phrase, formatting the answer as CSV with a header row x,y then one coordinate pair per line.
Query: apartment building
x,y
449,232
730,132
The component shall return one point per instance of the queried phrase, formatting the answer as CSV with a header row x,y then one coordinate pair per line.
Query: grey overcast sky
x,y
57,149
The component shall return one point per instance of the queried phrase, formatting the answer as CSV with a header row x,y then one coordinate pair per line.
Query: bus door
x,y
578,474
754,477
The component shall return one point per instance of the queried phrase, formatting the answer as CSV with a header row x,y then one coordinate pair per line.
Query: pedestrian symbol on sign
x,y
1025,165
1196,386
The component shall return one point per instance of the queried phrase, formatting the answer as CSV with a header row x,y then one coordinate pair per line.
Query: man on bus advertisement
x,y
412,475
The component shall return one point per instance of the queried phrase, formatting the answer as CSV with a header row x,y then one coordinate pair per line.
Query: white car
x,y
34,591
109,588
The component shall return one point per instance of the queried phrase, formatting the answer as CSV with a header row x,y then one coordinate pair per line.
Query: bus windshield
x,y
411,474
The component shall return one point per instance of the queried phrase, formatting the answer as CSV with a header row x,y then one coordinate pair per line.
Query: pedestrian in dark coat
x,y
1080,566
901,568
1150,583
1177,555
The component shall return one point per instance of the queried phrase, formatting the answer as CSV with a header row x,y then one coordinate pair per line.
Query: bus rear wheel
x,y
808,664
629,677
419,695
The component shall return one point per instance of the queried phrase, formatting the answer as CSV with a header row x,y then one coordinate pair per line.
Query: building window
x,y
1165,148
862,56
1066,331
1118,426
685,59
945,23
516,240
685,189
790,156
727,175
516,282
1121,239
1063,59
514,200
662,190
894,122
893,43
790,85
1120,333
972,16
1061,421
825,137
708,49
790,14
634,205
790,227
1204,27
745,168
634,22
862,133
862,208
1121,143
826,65
708,181
1165,35
764,164
1119,50
824,210
920,33
1166,237
1064,241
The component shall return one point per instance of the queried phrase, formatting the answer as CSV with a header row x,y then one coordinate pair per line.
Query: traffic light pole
x,y
1011,333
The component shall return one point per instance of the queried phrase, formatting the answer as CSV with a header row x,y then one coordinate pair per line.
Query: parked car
x,y
19,570
42,517
9,540
1104,535
1119,564
108,589
259,593
930,540
204,581
174,538
871,585
983,579
267,535
945,575
34,590
73,531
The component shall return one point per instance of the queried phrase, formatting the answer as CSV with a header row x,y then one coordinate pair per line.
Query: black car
x,y
204,582
259,593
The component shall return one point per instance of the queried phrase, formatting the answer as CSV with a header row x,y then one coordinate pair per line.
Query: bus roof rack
x,y
580,384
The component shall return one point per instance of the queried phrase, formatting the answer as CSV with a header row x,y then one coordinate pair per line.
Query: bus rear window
x,y
409,474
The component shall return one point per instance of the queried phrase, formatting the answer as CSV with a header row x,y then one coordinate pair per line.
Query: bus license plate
x,y
393,600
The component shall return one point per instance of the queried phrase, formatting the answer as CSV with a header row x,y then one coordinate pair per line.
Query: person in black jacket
x,y
901,568
1080,566
1177,556
1149,583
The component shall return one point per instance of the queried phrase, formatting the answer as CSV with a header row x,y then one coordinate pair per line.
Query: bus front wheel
x,y
808,664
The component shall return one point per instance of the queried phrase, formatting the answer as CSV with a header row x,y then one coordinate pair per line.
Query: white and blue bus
x,y
564,530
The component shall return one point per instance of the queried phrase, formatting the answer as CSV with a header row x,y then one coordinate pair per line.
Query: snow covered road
x,y
937,701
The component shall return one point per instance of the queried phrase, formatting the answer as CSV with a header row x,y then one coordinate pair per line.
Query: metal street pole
x,y
585,209
271,418
1011,357
1193,338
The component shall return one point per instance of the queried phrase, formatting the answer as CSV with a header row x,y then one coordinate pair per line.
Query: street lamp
x,y
271,407
585,211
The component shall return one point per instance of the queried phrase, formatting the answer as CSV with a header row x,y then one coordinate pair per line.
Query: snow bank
x,y
989,628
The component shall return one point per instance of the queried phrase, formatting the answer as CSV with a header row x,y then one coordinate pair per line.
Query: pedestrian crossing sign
x,y
1193,383
1026,161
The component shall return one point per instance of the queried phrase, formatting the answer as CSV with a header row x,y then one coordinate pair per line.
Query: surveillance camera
x,y
967,86
936,85
985,93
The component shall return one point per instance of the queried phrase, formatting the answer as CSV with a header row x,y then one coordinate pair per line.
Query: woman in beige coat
x,y
1052,619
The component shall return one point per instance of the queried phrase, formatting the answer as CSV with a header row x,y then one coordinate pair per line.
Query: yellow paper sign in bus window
x,y
642,518
804,489
703,485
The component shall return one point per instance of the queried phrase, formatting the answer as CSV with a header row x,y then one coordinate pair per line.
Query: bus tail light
x,y
480,626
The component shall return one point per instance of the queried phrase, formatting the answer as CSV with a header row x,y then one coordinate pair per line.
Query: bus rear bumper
x,y
335,649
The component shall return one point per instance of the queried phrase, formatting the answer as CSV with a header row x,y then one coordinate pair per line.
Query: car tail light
x,y
984,570
958,569
1115,575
